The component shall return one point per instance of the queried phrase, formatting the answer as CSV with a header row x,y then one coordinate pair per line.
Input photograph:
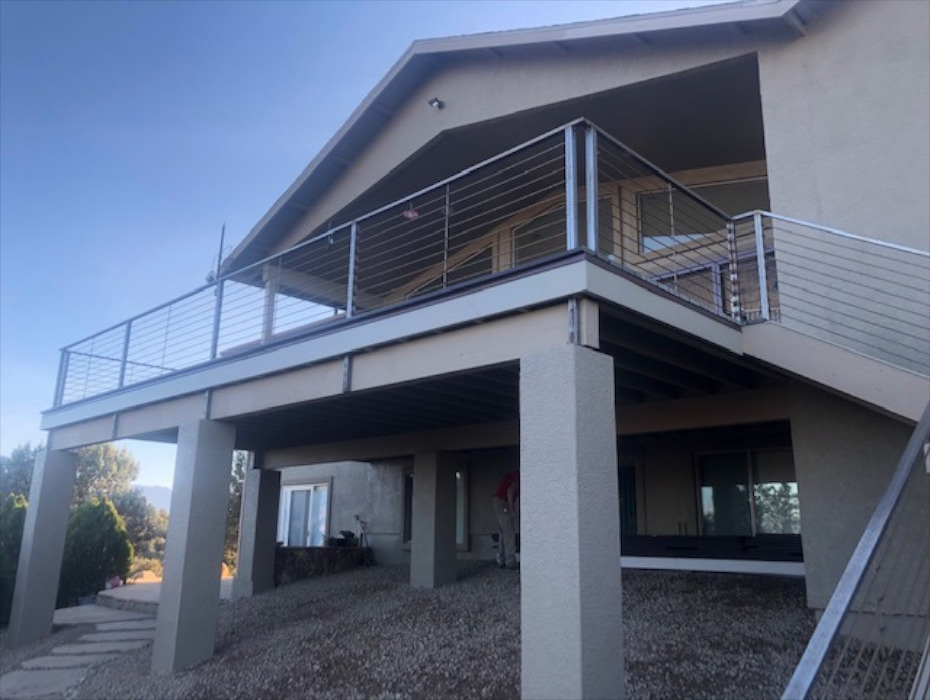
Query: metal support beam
x,y
590,177
217,315
760,264
350,285
571,190
125,355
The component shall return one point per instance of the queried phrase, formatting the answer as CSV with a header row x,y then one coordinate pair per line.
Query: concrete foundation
x,y
39,567
572,643
432,546
190,590
258,525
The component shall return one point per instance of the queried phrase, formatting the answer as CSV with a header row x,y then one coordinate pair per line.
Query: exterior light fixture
x,y
436,103
410,213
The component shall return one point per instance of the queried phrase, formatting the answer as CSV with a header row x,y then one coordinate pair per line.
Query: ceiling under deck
x,y
650,364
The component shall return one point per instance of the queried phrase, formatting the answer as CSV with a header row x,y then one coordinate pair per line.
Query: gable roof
x,y
424,57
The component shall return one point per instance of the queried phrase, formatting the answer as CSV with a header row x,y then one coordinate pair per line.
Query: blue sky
x,y
131,131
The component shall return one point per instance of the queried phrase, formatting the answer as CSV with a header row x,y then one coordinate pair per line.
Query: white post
x,y
185,632
572,638
43,547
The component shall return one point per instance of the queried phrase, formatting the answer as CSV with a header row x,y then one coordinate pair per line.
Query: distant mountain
x,y
158,496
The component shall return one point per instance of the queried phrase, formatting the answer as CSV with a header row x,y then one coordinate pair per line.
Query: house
x,y
674,267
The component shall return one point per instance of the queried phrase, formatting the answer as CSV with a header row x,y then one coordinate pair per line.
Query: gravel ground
x,y
367,634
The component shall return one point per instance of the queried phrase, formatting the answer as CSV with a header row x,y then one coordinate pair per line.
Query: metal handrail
x,y
812,660
834,231
348,269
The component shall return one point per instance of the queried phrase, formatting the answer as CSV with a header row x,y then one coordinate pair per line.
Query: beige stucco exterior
x,y
846,110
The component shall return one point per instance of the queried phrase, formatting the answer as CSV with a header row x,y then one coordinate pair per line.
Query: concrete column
x,y
432,545
43,547
190,591
572,639
258,531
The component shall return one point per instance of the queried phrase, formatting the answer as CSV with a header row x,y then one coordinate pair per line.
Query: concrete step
x,y
120,636
99,647
44,683
144,607
67,661
146,623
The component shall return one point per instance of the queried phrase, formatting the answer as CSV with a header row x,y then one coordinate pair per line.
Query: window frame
x,y
284,509
749,458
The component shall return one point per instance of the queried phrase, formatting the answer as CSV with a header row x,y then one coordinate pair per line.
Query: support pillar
x,y
185,632
432,547
258,530
572,638
39,567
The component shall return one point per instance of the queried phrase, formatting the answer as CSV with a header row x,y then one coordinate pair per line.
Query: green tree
x,y
103,470
236,480
12,519
96,549
16,470
146,526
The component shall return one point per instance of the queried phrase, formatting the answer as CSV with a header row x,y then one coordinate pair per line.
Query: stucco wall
x,y
845,113
844,455
372,491
485,87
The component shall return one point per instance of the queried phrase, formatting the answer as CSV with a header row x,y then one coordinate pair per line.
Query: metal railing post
x,y
735,310
217,315
125,356
63,363
350,284
760,264
591,193
271,278
445,241
571,190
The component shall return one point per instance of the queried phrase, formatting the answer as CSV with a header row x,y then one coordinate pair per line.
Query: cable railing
x,y
869,296
873,640
572,188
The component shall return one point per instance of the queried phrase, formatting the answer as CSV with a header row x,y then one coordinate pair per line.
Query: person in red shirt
x,y
506,501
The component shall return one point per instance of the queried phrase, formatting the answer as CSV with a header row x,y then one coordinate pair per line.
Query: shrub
x,y
12,519
96,549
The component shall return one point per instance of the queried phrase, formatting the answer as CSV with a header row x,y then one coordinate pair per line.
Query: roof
x,y
425,56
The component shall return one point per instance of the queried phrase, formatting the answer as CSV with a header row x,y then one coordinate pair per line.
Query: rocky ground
x,y
367,634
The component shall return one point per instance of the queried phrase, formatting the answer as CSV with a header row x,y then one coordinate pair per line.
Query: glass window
x,y
546,234
670,218
304,511
725,494
775,492
749,493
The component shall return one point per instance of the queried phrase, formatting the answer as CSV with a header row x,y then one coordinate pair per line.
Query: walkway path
x,y
116,631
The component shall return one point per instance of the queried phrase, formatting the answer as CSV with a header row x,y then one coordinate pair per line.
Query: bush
x,y
12,519
96,549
